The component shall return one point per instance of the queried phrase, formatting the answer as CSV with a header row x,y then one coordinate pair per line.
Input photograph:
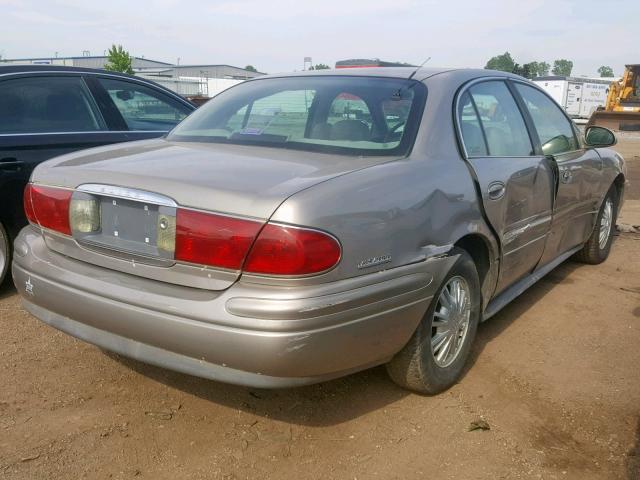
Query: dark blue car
x,y
46,111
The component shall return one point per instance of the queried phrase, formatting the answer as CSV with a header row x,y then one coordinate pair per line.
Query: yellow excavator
x,y
622,110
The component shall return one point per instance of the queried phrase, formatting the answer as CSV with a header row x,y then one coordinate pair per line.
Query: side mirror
x,y
556,145
599,137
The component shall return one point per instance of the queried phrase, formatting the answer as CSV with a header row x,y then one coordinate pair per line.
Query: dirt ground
x,y
556,375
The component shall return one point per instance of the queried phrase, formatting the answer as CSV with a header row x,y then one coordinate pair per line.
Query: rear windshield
x,y
347,115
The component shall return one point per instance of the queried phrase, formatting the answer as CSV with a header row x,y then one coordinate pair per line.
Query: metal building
x,y
211,71
186,80
84,62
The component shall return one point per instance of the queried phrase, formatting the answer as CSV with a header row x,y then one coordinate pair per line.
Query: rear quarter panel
x,y
403,211
613,166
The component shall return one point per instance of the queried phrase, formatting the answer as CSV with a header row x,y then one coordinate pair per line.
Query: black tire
x,y
592,252
415,367
5,253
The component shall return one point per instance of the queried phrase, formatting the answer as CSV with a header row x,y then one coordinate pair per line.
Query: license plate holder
x,y
129,226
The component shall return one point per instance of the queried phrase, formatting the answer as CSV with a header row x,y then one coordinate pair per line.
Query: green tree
x,y
502,62
537,69
531,70
605,71
562,67
251,68
522,70
119,60
543,69
320,66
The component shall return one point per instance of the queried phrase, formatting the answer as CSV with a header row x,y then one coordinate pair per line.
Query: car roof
x,y
12,68
421,73
19,69
392,72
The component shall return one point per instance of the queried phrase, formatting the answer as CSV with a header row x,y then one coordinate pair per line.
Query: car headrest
x,y
354,130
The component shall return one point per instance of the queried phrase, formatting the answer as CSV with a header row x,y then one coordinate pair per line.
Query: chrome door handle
x,y
496,190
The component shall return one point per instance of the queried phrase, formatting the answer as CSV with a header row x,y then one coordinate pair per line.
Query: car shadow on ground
x,y
492,328
7,288
323,404
344,399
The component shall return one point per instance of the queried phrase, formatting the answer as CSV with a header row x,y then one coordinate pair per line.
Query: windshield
x,y
348,115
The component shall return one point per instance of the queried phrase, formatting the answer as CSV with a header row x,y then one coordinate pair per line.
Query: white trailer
x,y
578,96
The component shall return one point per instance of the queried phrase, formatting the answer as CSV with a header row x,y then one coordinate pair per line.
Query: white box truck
x,y
577,95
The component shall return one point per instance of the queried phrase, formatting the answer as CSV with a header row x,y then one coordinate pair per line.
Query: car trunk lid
x,y
140,185
240,180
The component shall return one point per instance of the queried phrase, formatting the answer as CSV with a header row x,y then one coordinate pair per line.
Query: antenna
x,y
419,67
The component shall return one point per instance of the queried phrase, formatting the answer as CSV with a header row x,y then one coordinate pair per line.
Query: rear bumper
x,y
250,334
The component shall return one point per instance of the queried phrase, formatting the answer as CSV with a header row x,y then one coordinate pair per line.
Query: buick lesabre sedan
x,y
302,227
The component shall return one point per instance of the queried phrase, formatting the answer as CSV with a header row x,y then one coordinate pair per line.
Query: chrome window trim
x,y
103,74
461,91
522,156
466,86
562,110
502,156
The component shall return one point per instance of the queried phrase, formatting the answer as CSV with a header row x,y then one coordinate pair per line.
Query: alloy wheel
x,y
4,254
450,321
605,224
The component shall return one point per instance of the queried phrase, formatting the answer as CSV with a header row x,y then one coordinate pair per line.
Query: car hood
x,y
241,180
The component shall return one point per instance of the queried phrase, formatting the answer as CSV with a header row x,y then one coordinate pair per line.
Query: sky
x,y
276,35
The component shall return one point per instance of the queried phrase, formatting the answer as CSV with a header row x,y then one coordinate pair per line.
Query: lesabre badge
x,y
28,286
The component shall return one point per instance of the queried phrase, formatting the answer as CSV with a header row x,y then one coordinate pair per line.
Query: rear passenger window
x,y
470,127
143,108
501,120
283,113
556,132
47,105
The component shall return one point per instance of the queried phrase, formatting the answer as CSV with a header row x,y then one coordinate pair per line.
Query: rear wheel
x,y
435,356
597,248
5,253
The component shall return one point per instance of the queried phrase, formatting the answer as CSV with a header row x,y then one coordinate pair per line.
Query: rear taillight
x,y
48,207
285,250
216,240
198,237
28,204
220,241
